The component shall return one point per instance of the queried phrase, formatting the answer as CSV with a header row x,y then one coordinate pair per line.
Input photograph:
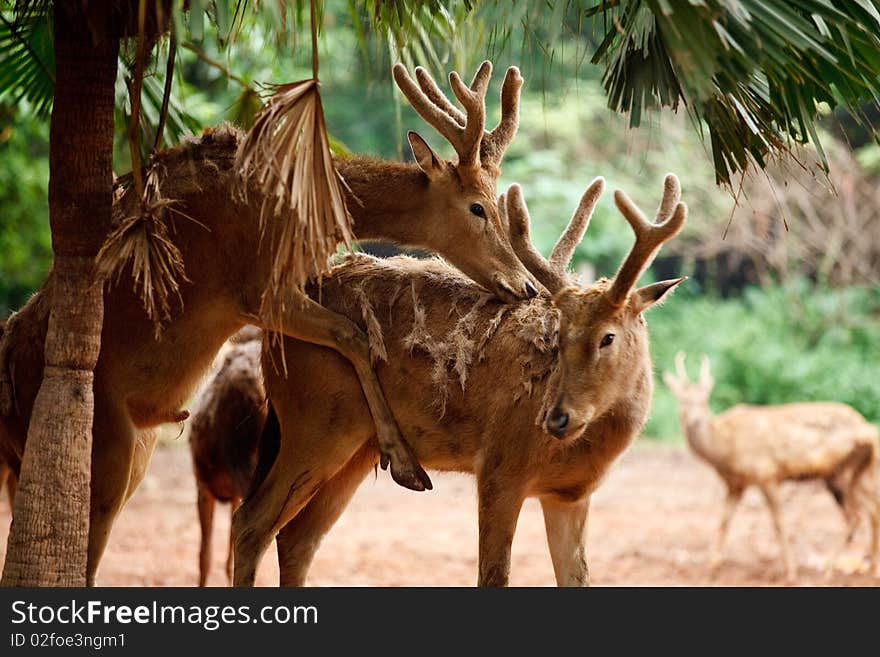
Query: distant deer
x,y
766,445
227,420
543,395
142,381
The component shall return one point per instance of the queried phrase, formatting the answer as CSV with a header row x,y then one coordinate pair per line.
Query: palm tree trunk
x,y
49,536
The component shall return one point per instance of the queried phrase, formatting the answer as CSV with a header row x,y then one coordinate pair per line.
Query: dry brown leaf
x,y
285,158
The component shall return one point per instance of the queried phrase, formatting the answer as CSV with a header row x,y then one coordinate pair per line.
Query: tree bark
x,y
48,540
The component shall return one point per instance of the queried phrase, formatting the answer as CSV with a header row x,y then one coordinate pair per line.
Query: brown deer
x,y
142,380
535,399
7,476
227,420
766,445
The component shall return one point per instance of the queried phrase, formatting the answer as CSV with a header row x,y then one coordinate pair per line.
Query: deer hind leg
x,y
115,472
566,524
313,323
772,498
845,496
304,463
499,506
731,502
206,502
867,494
299,540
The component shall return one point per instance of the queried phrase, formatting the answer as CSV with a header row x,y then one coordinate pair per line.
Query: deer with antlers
x,y
577,386
766,445
143,380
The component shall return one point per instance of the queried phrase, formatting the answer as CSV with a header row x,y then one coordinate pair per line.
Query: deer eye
x,y
478,210
607,340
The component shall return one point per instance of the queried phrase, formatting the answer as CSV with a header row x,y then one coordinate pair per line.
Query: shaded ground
x,y
652,523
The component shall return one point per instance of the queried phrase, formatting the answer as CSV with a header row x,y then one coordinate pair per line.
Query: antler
x,y
680,370
705,373
649,236
465,132
551,273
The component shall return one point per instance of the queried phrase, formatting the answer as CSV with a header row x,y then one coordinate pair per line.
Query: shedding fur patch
x,y
450,320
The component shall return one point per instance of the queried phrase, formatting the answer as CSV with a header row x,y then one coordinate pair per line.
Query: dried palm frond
x,y
285,158
144,241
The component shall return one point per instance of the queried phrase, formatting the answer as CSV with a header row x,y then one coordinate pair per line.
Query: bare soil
x,y
652,523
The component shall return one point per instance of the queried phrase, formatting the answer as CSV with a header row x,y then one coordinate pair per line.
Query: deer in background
x,y
766,445
576,358
227,420
142,381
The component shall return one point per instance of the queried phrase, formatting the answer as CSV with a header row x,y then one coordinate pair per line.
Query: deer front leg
x,y
566,524
499,506
7,477
299,540
206,524
311,322
731,502
771,497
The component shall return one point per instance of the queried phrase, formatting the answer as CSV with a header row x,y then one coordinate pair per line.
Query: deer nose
x,y
558,422
531,290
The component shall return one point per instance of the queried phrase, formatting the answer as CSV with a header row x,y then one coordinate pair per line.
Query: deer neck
x,y
697,425
387,200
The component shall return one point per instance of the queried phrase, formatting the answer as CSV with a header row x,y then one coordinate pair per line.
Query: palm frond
x,y
286,157
755,71
27,63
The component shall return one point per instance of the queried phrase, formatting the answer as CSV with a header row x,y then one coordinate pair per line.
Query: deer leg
x,y
306,460
867,496
313,323
206,503
234,503
849,507
566,524
299,540
11,486
731,502
113,451
7,478
772,499
499,506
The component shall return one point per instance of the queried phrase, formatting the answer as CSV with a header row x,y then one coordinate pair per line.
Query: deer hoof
x,y
405,469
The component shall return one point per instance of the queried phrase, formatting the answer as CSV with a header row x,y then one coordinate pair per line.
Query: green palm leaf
x,y
755,71
27,64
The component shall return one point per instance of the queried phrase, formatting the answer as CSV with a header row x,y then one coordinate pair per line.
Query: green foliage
x,y
783,344
25,242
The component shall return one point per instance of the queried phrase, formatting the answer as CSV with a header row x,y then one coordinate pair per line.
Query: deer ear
x,y
427,159
647,296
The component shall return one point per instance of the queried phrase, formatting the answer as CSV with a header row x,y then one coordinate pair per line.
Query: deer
x,y
228,417
535,399
764,446
7,476
143,380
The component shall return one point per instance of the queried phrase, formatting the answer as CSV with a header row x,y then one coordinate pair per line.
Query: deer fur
x,y
764,446
142,380
472,383
227,420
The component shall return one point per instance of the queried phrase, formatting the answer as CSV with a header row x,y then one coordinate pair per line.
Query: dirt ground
x,y
652,522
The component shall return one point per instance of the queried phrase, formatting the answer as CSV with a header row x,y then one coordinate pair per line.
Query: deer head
x,y
463,192
693,398
603,337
